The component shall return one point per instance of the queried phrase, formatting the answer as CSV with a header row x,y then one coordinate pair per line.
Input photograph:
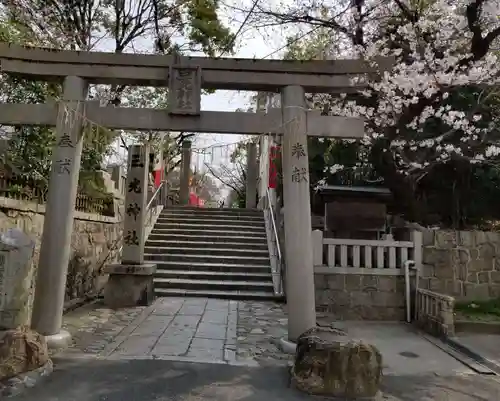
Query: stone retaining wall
x,y
463,264
360,296
95,242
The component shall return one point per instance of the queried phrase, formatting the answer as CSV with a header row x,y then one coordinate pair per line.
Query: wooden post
x,y
299,256
58,223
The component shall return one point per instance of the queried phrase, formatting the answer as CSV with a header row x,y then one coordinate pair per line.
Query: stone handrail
x,y
273,245
434,313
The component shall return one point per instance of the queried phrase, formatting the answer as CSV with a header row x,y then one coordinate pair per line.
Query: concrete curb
x,y
16,385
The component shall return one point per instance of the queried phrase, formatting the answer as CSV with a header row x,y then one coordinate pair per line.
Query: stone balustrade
x,y
434,313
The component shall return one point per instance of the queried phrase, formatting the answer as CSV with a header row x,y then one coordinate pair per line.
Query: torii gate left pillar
x,y
55,248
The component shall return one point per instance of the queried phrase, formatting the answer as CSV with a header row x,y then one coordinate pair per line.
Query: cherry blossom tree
x,y
436,105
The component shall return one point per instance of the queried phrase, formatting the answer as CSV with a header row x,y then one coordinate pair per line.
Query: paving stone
x,y
211,331
207,343
170,350
215,316
217,305
171,340
205,353
152,326
185,321
192,310
136,345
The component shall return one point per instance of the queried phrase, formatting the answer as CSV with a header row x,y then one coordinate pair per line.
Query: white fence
x,y
351,256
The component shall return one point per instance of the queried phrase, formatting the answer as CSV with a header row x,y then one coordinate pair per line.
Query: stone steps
x,y
213,275
195,243
201,232
204,226
214,267
220,294
225,284
218,253
223,251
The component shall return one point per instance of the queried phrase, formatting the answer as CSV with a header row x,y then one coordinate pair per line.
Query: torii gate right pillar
x,y
299,257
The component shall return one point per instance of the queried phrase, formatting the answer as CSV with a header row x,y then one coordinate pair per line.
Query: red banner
x,y
274,153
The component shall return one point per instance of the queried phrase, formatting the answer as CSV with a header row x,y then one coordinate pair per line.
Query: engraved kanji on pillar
x,y
135,205
184,97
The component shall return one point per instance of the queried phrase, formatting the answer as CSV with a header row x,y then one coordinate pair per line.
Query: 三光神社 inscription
x,y
184,95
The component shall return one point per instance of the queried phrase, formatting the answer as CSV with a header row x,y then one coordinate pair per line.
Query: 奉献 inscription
x,y
133,209
65,141
298,150
135,186
299,174
131,238
63,166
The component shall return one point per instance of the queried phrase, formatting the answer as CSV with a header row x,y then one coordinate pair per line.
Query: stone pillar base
x,y
129,285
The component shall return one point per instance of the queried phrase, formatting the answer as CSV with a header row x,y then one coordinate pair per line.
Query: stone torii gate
x,y
185,77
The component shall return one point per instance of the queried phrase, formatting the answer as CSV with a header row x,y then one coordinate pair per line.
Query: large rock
x,y
21,350
328,363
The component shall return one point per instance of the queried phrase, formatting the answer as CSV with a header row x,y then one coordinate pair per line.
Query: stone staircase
x,y
218,253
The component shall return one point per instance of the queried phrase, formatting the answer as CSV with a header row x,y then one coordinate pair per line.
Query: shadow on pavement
x,y
156,380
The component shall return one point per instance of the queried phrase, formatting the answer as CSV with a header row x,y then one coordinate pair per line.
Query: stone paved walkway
x,y
182,329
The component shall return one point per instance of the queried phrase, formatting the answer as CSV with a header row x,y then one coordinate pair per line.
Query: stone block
x,y
388,299
466,239
387,283
329,364
436,285
443,271
369,281
483,277
476,292
428,237
353,282
446,239
480,237
494,290
336,281
487,251
21,350
361,298
454,288
427,270
128,290
146,269
436,256
472,278
342,298
320,281
495,276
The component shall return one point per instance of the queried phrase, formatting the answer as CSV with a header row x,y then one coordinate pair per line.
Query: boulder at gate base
x,y
21,350
329,364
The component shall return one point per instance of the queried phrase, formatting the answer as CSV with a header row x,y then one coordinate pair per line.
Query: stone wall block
x,y
495,277
353,282
369,281
466,239
387,284
454,288
472,278
336,281
428,237
483,277
476,292
321,281
427,270
446,239
480,237
436,285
